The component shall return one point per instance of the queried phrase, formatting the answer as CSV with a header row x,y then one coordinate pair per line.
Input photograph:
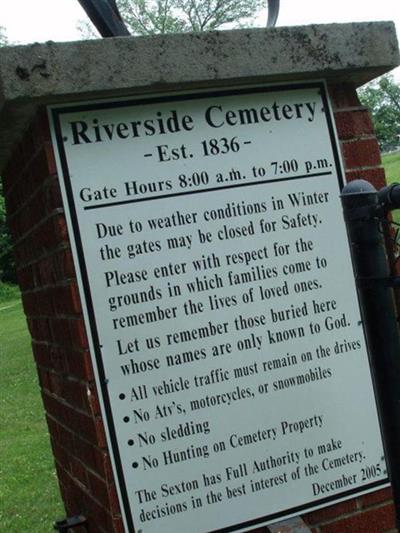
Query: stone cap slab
x,y
41,74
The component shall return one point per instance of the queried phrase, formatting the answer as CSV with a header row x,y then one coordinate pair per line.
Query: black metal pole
x,y
273,13
361,208
106,17
389,199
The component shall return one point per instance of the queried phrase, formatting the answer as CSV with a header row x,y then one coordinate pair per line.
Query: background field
x,y
391,162
29,495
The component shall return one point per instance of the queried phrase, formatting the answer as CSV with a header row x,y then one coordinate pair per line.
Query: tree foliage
x,y
145,17
148,17
7,266
3,36
382,97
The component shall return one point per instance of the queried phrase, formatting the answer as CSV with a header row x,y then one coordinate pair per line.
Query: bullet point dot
x,y
126,418
135,464
122,396
131,442
65,139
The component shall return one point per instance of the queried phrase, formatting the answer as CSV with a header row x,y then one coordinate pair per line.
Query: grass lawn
x,y
29,495
391,162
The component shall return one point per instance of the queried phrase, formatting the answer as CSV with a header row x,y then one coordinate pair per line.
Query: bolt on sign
x,y
220,302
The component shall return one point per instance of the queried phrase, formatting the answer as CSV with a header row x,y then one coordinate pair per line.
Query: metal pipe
x,y
389,197
273,13
105,16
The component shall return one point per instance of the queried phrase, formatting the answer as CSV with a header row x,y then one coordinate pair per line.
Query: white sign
x,y
220,302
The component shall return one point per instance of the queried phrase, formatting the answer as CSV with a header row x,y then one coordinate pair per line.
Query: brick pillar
x,y
47,279
360,149
51,302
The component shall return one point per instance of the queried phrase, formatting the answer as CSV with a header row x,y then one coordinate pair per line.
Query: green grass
x,y
29,495
391,162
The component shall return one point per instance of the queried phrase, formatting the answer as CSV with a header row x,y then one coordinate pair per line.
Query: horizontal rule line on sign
x,y
210,189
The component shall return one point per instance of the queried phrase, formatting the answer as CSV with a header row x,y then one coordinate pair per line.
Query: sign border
x,y
55,112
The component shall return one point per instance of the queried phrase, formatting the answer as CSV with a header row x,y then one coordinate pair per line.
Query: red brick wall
x,y
51,301
359,146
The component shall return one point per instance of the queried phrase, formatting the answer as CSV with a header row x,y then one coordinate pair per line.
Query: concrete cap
x,y
62,72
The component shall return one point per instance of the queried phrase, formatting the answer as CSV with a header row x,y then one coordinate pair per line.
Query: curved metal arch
x,y
106,17
273,12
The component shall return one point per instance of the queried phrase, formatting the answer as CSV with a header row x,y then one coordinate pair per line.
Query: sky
x,y
28,21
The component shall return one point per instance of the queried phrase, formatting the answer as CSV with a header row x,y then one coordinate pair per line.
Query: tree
x,y
3,36
7,266
148,17
382,97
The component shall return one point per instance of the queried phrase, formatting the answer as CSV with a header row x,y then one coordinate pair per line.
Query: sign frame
x,y
55,112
